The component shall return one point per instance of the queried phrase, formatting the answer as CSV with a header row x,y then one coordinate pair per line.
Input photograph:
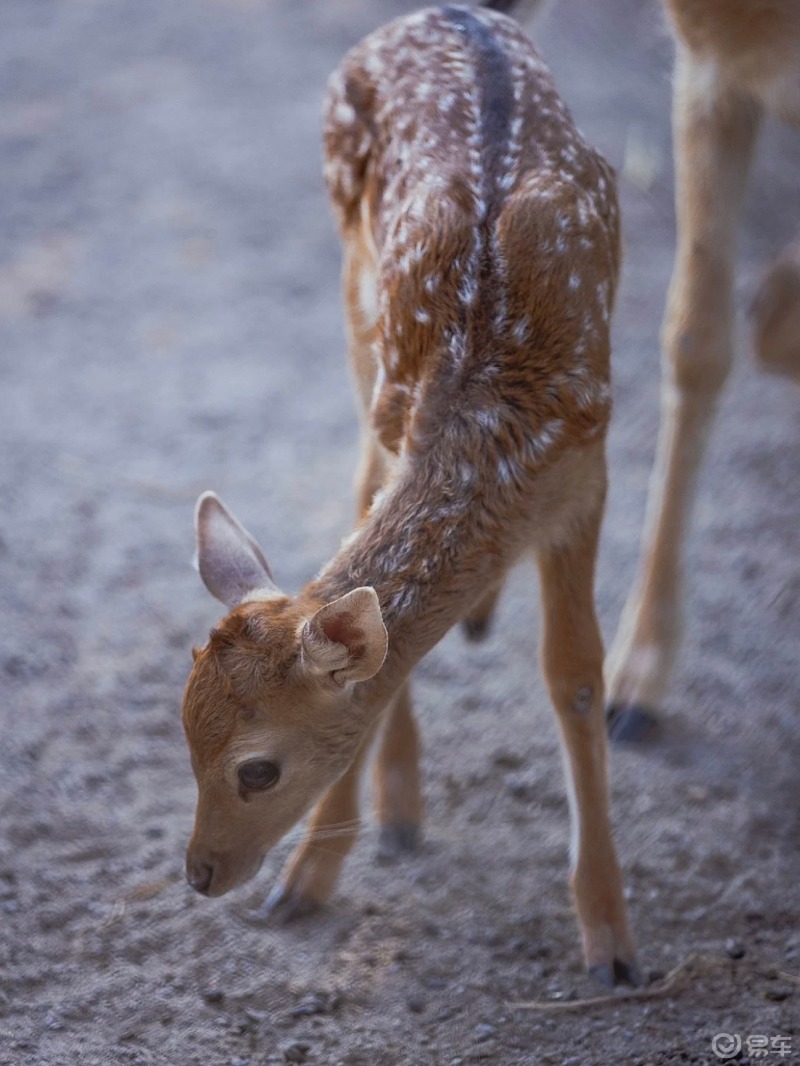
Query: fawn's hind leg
x,y
476,623
715,131
396,780
572,657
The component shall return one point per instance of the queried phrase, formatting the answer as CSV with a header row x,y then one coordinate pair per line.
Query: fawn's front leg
x,y
313,868
572,657
714,135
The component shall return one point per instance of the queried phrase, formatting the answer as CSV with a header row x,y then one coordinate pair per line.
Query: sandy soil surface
x,y
170,322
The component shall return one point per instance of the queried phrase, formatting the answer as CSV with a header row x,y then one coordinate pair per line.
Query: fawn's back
x,y
482,234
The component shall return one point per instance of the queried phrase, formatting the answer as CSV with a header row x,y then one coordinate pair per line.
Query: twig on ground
x,y
690,966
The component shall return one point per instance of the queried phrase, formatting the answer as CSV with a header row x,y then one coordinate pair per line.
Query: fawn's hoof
x,y
282,906
397,840
630,725
476,629
617,973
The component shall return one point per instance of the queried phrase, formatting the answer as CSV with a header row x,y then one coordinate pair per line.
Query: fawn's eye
x,y
258,775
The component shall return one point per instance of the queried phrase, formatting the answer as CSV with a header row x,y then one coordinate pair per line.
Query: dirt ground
x,y
170,322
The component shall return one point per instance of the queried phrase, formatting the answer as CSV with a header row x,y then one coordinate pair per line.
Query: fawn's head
x,y
267,708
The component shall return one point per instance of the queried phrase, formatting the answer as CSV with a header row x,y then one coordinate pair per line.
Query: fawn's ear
x,y
230,562
347,638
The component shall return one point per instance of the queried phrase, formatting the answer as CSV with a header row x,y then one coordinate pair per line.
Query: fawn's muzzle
x,y
199,875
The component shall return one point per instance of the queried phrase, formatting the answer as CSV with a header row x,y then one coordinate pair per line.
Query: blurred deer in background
x,y
481,252
735,60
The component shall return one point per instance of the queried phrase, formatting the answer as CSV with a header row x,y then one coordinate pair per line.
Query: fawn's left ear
x,y
230,562
347,638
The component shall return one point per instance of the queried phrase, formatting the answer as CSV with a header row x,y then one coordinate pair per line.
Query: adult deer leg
x,y
475,625
715,130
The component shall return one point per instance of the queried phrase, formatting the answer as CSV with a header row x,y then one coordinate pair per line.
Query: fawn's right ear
x,y
230,562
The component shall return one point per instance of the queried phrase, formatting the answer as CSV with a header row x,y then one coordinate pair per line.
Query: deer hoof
x,y
630,725
283,906
397,840
476,629
618,973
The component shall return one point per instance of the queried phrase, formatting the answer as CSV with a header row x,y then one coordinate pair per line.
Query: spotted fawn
x,y
481,252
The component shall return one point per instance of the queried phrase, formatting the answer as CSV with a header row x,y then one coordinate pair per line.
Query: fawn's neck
x,y
424,549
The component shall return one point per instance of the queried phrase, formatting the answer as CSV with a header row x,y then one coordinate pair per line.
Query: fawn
x,y
481,252
735,60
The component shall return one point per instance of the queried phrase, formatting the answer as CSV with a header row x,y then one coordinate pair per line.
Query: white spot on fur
x,y
466,473
488,418
520,330
344,113
507,470
538,444
468,290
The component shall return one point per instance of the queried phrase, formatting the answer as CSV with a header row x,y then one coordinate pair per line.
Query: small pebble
x,y
508,760
256,1016
734,948
316,1003
416,1004
212,995
484,1031
296,1051
520,789
778,994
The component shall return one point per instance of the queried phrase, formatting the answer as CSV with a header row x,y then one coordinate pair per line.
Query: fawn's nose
x,y
199,875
